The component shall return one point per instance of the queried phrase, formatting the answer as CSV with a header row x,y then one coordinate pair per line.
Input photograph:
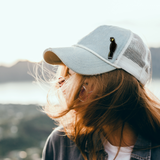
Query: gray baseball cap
x,y
105,49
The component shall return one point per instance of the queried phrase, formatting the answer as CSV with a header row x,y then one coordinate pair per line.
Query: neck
x,y
129,137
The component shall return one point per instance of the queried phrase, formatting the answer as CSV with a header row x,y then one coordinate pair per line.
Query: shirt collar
x,y
142,149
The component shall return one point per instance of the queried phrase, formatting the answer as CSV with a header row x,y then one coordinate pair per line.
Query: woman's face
x,y
62,80
84,92
70,72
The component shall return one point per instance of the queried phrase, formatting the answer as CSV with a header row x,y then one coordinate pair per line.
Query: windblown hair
x,y
117,99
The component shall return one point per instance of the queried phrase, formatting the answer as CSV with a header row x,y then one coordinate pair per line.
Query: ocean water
x,y
22,93
32,93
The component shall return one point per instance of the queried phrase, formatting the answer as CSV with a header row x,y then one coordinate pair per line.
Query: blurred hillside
x,y
17,72
21,70
23,131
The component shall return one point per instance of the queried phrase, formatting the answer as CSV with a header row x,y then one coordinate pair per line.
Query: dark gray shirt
x,y
59,147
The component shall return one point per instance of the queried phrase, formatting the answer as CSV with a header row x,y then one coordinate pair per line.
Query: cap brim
x,y
77,59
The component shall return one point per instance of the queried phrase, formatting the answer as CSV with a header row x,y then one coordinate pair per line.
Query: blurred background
x,y
27,28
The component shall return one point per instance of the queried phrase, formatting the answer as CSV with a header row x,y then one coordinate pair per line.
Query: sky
x,y
28,27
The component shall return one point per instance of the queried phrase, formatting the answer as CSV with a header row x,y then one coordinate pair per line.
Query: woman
x,y
103,106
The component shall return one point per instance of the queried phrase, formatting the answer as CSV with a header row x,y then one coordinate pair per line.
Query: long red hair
x,y
117,99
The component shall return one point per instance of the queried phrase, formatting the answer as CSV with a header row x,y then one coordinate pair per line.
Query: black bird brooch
x,y
113,47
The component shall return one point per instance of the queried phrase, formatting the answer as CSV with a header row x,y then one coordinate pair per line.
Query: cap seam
x,y
91,51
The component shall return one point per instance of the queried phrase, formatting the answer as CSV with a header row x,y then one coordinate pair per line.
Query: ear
x,y
82,93
85,93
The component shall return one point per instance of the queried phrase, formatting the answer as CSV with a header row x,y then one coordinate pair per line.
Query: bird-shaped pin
x,y
113,47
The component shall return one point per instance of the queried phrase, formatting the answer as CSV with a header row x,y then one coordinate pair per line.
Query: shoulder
x,y
57,136
59,147
146,149
155,151
54,144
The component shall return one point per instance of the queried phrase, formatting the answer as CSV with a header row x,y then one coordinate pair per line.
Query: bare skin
x,y
129,136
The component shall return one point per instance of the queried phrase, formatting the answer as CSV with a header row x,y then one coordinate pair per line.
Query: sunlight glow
x,y
29,27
